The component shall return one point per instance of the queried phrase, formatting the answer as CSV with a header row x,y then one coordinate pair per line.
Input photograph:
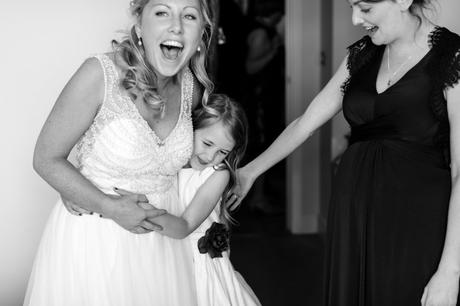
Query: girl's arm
x,y
71,116
198,210
324,106
443,286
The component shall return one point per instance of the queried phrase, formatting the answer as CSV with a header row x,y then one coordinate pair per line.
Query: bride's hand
x,y
73,208
441,290
244,183
134,212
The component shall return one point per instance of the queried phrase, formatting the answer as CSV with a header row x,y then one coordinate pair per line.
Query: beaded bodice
x,y
121,150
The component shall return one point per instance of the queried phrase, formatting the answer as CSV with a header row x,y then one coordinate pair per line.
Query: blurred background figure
x,y
248,64
265,98
230,38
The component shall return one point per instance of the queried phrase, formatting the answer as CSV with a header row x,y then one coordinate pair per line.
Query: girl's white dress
x,y
91,261
217,282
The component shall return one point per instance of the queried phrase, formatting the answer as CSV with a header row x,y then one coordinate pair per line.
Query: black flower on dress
x,y
215,241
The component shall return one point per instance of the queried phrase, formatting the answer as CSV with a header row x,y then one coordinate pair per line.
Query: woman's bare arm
x,y
323,107
443,286
71,116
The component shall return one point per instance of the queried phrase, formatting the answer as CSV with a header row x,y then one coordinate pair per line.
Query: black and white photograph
x,y
230,153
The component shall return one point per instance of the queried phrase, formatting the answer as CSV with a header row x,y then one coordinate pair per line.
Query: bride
x,y
129,115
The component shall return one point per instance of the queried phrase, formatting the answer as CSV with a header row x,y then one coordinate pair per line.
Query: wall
x,y
447,11
302,83
43,43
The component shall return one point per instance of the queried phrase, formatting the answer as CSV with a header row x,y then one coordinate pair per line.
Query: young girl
x,y
219,144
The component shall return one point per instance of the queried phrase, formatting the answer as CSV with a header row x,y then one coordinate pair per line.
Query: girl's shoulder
x,y
189,178
218,171
201,176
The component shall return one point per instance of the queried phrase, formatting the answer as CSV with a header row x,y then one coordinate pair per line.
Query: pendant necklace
x,y
392,75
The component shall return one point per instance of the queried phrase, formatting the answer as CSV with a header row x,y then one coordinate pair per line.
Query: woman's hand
x,y
244,183
134,210
441,290
73,208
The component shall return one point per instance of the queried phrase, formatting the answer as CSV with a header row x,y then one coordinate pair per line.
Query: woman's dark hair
x,y
417,8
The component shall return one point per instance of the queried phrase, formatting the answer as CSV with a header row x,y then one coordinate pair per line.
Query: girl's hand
x,y
73,208
133,212
441,290
239,192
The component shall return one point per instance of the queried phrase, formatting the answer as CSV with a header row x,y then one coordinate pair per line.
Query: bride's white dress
x,y
91,261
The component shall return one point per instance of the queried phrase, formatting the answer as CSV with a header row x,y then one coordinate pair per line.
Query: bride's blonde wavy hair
x,y
139,76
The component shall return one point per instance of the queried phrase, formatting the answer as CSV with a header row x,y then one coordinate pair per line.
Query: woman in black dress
x,y
394,220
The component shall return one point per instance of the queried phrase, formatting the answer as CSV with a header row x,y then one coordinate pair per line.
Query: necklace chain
x,y
392,75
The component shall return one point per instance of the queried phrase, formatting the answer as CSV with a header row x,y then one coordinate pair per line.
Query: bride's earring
x,y
139,37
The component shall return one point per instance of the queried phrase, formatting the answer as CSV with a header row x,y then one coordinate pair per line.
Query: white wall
x,y
344,33
302,83
447,11
43,43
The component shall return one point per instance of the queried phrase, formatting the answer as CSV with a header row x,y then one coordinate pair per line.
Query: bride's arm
x,y
70,117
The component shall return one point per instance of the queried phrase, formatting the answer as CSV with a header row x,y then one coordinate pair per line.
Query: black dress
x,y
388,212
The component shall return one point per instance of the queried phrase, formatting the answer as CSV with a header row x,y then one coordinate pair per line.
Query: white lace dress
x,y
217,282
91,261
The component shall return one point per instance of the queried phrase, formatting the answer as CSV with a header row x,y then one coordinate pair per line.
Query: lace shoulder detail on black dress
x,y
446,46
444,69
360,54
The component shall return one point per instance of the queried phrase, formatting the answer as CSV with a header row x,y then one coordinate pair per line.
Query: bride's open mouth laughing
x,y
171,49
